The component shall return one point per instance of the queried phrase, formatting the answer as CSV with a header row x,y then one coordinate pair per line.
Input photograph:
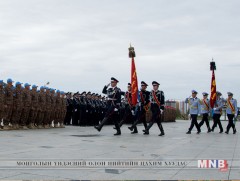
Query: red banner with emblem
x,y
134,83
213,90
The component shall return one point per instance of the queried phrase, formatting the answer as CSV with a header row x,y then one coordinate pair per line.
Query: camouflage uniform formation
x,y
26,108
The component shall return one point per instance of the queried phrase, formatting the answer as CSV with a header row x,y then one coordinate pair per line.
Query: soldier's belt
x,y
111,99
193,107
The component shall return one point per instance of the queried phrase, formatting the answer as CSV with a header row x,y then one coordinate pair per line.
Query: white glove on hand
x,y
199,114
132,112
115,109
75,110
161,111
236,115
189,116
214,109
86,110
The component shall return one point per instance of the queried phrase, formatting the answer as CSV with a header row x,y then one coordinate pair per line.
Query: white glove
x,y
161,111
132,112
189,116
86,110
214,109
236,115
115,109
75,110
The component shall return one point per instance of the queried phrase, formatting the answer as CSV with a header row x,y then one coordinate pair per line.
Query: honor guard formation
x,y
153,100
29,108
202,107
26,107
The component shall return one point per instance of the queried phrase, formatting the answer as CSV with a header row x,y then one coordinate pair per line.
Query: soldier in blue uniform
x,y
217,112
113,103
232,112
141,108
157,101
205,110
194,110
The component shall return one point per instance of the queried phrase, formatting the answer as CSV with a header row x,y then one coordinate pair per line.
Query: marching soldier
x,y
53,110
26,107
217,112
195,109
8,103
34,107
232,112
127,108
83,107
58,109
2,97
47,113
17,105
113,103
205,110
63,109
42,107
141,109
157,101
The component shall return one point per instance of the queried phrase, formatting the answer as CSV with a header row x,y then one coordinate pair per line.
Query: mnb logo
x,y
221,164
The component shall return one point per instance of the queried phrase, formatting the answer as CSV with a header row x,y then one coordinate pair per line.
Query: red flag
x,y
213,90
134,83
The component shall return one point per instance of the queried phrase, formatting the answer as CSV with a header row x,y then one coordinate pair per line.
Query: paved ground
x,y
77,143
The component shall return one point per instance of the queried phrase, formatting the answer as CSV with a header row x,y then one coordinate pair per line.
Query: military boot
x,y
99,127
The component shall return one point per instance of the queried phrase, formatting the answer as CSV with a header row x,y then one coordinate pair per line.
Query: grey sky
x,y
80,44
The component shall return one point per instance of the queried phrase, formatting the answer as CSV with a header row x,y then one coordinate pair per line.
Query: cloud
x,y
79,45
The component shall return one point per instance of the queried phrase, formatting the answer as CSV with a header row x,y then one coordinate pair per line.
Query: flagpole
x,y
134,82
213,86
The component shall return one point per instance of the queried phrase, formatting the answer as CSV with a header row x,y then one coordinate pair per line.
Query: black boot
x,y
134,131
234,131
118,129
161,129
131,128
99,127
226,132
209,130
189,132
117,133
146,132
162,133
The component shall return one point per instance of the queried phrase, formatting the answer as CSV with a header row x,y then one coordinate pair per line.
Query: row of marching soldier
x,y
26,107
202,107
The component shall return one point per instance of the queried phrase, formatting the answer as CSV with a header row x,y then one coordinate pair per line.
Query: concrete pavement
x,y
85,143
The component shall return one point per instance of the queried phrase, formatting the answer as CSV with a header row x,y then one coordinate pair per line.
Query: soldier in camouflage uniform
x,y
53,108
2,96
63,109
26,106
58,107
9,104
42,108
34,107
47,112
17,106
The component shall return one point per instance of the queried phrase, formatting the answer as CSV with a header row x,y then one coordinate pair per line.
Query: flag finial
x,y
212,65
131,52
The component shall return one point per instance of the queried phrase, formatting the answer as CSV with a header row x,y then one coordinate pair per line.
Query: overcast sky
x,y
78,45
